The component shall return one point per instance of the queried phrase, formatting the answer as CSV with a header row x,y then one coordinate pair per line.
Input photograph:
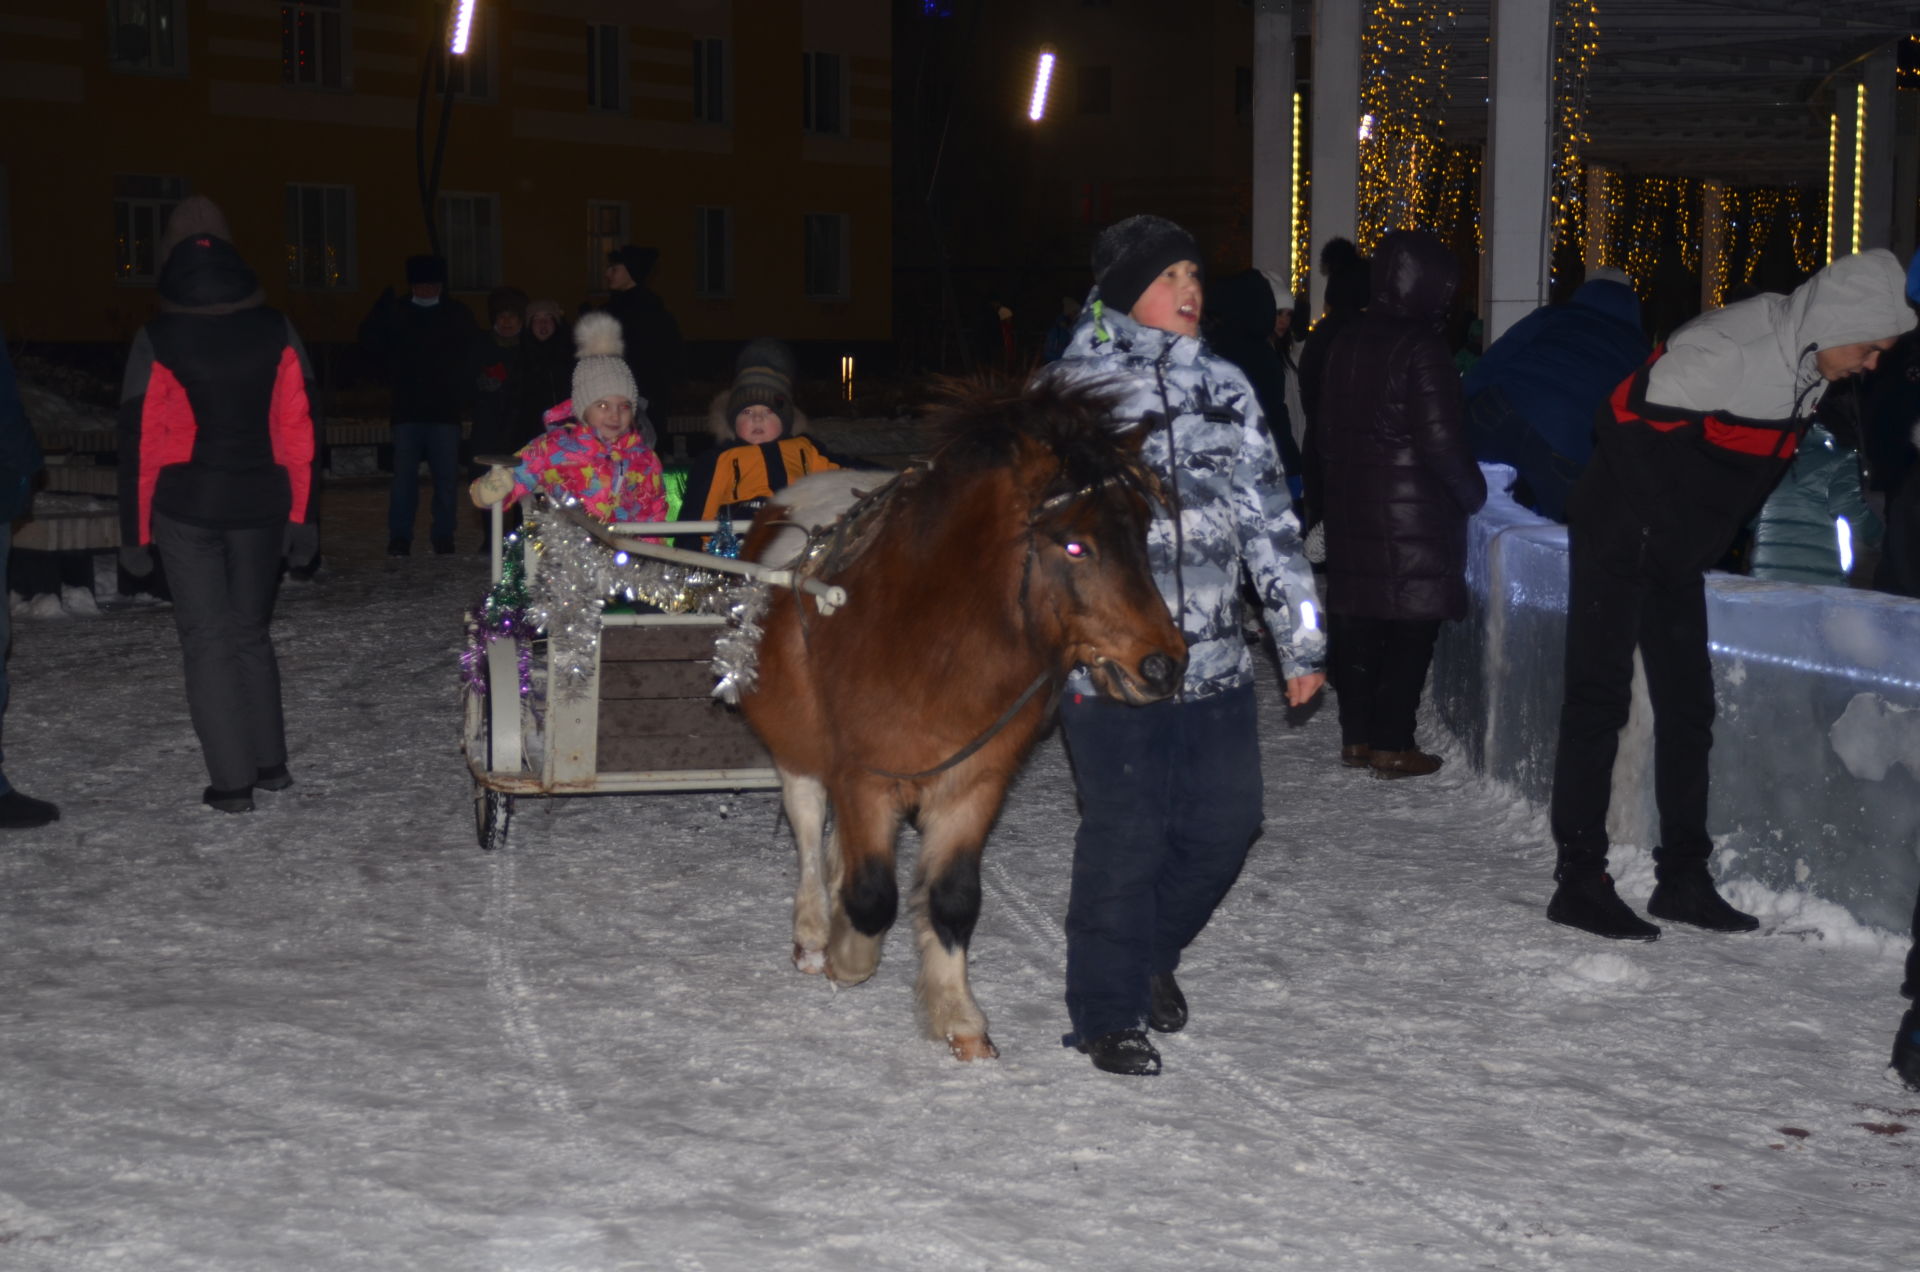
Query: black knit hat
x,y
1129,255
764,377
638,260
426,269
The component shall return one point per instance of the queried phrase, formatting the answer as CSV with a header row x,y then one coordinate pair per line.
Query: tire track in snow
x,y
507,985
1456,1211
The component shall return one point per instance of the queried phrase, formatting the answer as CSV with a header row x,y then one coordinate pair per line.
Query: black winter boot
x,y
1124,1051
1685,894
1906,1049
1586,900
1166,1005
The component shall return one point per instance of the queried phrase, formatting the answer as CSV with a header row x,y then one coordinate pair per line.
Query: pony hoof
x,y
978,1047
812,962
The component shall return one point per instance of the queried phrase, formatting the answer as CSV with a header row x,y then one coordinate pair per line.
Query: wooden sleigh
x,y
642,718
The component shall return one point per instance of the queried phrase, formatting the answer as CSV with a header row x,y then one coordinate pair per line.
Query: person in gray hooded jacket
x,y
1687,448
1170,793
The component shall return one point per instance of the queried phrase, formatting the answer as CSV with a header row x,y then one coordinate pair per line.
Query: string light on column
x,y
1402,101
1808,220
1300,248
1833,178
1763,207
1576,41
1859,157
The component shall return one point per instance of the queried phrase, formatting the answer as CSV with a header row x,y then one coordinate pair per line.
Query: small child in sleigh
x,y
600,462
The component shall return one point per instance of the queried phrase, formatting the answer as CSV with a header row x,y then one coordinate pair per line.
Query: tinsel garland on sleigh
x,y
577,575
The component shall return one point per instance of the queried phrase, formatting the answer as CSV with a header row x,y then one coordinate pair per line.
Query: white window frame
x,y
601,241
598,94
341,239
321,9
482,272
842,287
810,65
149,65
159,208
705,283
711,105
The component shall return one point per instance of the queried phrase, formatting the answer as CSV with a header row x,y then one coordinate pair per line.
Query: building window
x,y
471,74
470,240
6,229
1096,90
710,81
145,35
606,66
320,253
713,251
1243,93
606,231
313,44
824,86
141,206
826,256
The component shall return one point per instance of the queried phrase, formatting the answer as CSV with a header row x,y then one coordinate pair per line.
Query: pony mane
x,y
981,424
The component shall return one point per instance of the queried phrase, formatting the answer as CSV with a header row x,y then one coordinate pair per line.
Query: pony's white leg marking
x,y
806,802
946,901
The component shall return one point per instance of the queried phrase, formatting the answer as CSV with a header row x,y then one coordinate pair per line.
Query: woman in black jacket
x,y
1400,483
218,448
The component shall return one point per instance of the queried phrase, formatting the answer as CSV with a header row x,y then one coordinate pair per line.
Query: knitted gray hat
x,y
601,372
764,378
1130,254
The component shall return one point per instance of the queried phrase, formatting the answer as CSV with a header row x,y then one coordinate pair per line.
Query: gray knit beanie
x,y
601,372
764,377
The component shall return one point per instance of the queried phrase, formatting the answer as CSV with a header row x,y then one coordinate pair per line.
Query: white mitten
x,y
493,488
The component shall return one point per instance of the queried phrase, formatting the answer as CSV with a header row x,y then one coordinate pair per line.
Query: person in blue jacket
x,y
19,461
1532,395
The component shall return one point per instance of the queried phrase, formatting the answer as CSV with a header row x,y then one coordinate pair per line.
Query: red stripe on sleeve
x,y
167,430
290,422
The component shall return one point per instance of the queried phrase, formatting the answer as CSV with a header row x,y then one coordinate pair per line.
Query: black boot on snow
x,y
1688,897
1586,900
1124,1051
275,778
1906,1049
238,800
1166,1005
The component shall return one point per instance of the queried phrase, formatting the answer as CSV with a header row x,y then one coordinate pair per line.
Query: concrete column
x,y
1515,269
1335,195
1273,83
1840,171
1876,133
1713,244
1599,217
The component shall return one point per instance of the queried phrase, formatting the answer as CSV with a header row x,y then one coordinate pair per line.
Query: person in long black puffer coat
x,y
1400,483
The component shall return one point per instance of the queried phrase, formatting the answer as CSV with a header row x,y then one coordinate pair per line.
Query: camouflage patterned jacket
x,y
1231,493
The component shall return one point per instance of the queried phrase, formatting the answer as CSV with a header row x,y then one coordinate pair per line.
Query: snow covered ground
x,y
334,1035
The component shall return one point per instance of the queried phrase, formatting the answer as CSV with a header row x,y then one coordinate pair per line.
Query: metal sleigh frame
x,y
510,754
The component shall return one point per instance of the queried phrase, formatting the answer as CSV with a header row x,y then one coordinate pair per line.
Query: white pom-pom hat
x,y
601,372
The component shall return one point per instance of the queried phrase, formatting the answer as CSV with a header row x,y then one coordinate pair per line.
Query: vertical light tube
x,y
1042,76
1859,158
462,29
1833,181
1295,257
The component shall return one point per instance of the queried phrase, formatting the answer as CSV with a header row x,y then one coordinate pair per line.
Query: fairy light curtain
x,y
1576,41
1403,98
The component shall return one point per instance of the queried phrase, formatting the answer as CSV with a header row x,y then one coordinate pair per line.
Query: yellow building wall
x,y
69,122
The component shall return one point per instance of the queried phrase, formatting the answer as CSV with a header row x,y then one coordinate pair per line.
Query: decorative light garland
x,y
1403,85
1807,218
1576,40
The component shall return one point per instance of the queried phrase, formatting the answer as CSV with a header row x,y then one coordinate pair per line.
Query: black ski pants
x,y
1378,667
223,583
1619,602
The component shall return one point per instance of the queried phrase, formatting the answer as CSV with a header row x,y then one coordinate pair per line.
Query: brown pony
x,y
976,585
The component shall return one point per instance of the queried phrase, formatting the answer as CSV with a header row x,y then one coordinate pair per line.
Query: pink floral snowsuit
x,y
617,481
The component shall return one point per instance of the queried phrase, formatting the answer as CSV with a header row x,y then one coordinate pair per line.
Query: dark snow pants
x,y
1912,988
1169,805
223,591
1616,603
1378,667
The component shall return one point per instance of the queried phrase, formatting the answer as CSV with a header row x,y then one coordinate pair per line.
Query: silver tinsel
x,y
577,575
736,655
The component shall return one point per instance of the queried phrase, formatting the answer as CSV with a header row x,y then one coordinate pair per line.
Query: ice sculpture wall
x,y
1816,759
